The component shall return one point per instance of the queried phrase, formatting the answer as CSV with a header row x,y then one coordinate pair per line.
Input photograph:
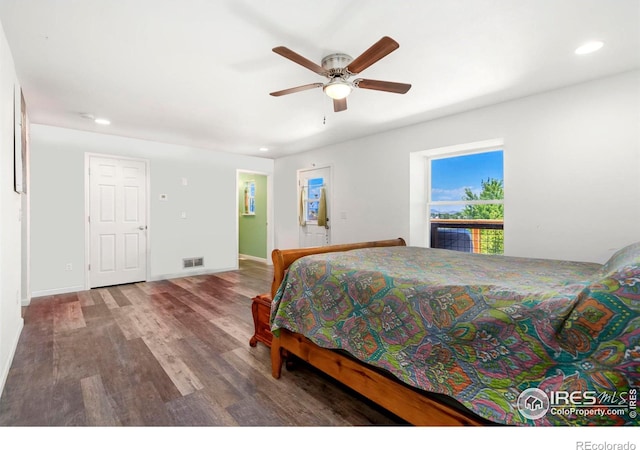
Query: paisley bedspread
x,y
481,329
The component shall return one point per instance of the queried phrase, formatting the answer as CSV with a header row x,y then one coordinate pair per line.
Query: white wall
x,y
10,228
58,205
572,172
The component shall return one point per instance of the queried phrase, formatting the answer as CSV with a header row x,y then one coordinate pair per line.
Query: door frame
x,y
87,231
329,197
270,233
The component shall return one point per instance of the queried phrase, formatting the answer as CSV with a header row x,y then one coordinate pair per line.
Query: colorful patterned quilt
x,y
517,341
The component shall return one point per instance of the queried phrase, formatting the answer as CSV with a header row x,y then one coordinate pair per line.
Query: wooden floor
x,y
165,353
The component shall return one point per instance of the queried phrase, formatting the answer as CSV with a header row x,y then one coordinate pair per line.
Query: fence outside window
x,y
468,235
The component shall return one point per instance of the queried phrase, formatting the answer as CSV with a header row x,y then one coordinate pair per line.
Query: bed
x,y
440,337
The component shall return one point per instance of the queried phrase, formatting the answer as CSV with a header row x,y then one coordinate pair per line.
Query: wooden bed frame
x,y
415,407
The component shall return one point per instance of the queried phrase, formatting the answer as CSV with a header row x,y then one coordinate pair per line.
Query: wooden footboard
x,y
403,401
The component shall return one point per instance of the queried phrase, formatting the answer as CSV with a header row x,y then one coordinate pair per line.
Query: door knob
x,y
142,227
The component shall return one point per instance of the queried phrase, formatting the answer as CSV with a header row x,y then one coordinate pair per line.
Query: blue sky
x,y
450,176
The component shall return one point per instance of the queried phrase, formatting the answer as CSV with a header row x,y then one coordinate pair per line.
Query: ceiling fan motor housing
x,y
335,64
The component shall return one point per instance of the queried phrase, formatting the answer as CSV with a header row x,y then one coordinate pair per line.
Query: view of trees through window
x,y
466,202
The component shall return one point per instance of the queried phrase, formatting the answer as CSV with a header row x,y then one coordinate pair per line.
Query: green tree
x,y
491,241
492,189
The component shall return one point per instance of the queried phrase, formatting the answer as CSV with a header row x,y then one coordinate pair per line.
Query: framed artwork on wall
x,y
249,198
19,142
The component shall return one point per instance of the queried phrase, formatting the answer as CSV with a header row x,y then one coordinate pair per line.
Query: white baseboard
x,y
190,273
7,364
64,290
254,258
167,276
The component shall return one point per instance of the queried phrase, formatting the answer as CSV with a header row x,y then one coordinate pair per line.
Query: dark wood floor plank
x,y
181,375
85,298
108,299
340,399
206,364
202,300
67,405
98,406
199,409
229,304
144,320
34,346
95,314
74,354
96,296
142,405
68,316
118,296
241,331
143,367
257,411
26,399
207,332
299,410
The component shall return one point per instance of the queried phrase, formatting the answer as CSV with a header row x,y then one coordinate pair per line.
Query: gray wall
x,y
10,219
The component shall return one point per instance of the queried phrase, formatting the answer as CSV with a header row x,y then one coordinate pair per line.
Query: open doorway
x,y
254,228
314,191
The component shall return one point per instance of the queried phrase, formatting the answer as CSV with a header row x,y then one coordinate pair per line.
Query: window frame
x,y
454,153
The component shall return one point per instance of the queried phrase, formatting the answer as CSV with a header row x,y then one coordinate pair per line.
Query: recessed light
x,y
102,121
589,47
263,149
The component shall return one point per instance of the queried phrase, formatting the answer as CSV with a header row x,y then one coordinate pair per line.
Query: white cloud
x,y
443,195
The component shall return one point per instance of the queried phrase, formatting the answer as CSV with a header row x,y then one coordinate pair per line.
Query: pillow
x,y
603,323
626,256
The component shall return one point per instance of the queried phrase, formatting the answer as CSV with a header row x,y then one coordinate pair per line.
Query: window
x,y
313,190
465,202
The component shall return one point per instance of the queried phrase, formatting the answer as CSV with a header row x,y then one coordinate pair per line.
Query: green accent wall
x,y
253,228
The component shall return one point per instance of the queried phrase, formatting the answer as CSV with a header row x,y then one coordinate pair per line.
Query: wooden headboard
x,y
282,259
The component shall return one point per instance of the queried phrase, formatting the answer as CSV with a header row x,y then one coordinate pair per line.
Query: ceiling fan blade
x,y
296,89
340,105
387,86
298,59
373,54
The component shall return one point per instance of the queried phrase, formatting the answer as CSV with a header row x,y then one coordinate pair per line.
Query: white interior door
x,y
117,221
314,188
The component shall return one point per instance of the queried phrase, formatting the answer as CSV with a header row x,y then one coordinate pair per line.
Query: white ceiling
x,y
199,72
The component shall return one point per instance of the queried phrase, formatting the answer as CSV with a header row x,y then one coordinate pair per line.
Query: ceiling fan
x,y
338,68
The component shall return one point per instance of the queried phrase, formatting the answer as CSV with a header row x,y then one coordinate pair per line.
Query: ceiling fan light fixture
x,y
337,89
